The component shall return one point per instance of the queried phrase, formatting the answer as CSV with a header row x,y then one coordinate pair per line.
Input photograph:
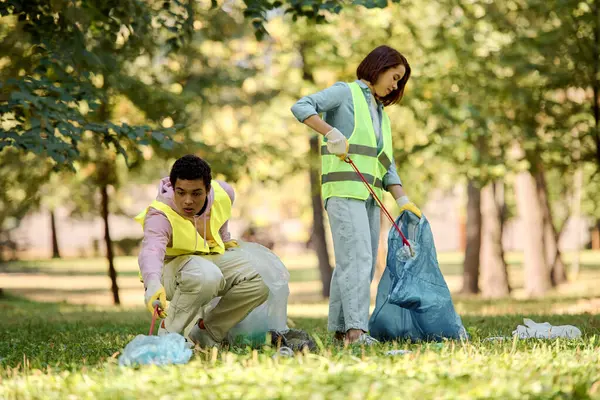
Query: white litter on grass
x,y
397,352
545,330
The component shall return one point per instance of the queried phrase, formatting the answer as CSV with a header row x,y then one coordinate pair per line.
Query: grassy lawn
x,y
60,350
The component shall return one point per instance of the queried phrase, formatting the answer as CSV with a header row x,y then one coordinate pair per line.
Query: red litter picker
x,y
362,177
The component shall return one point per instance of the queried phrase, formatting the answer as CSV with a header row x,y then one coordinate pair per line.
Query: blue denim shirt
x,y
336,102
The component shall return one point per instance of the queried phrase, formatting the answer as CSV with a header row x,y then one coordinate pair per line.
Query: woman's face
x,y
387,81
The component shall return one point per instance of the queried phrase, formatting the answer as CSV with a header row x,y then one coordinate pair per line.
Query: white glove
x,y
337,143
402,201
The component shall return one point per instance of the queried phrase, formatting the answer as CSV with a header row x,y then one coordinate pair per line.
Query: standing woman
x,y
355,125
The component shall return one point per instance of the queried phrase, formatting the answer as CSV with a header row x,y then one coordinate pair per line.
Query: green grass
x,y
53,350
60,350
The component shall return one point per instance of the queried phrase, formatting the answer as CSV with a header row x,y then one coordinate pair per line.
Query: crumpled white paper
x,y
545,330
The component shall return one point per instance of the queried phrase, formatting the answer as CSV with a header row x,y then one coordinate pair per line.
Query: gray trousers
x,y
355,228
193,281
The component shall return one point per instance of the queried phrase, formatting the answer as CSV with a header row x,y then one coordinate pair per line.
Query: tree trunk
x,y
494,274
596,236
558,273
536,271
471,262
55,248
578,178
595,83
109,246
462,232
318,237
558,270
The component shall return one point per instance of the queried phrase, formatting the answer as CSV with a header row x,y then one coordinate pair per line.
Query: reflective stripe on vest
x,y
350,176
337,177
185,237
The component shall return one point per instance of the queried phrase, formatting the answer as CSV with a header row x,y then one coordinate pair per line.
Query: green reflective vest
x,y
338,179
186,239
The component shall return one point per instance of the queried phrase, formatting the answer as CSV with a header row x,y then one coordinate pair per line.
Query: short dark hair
x,y
377,62
190,168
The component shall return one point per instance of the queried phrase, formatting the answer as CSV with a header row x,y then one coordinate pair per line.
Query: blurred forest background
x,y
497,137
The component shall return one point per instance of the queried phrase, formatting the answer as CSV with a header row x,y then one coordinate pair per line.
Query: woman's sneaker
x,y
365,340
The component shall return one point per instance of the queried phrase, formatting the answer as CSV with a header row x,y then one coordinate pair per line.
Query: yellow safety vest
x,y
338,179
185,238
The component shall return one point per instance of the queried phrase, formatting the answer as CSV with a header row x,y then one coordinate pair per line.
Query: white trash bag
x,y
272,314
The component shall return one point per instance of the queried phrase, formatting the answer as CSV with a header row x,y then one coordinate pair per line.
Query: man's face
x,y
190,196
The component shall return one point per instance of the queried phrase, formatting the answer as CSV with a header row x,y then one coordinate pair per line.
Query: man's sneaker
x,y
365,340
200,336
295,339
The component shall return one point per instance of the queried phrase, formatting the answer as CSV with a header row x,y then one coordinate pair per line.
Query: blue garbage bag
x,y
413,300
167,349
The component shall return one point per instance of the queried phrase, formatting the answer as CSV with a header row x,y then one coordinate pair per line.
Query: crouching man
x,y
188,256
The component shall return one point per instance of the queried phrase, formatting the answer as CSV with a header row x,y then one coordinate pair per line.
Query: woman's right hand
x,y
337,143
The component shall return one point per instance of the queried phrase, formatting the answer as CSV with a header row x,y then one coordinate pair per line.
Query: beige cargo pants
x,y
192,281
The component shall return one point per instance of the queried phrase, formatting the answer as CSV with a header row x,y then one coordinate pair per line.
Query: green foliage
x,y
19,186
64,60
258,11
559,50
486,76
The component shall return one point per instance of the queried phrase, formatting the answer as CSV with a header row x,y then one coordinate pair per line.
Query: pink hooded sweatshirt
x,y
158,233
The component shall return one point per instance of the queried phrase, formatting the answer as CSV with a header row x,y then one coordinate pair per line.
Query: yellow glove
x,y
407,205
231,244
156,295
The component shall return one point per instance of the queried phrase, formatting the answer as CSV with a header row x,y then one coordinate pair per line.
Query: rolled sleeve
x,y
391,177
320,102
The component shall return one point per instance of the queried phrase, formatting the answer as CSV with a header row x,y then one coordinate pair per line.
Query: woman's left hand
x,y
406,205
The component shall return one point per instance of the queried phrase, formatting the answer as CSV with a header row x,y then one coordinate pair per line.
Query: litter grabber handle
x,y
154,316
362,177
